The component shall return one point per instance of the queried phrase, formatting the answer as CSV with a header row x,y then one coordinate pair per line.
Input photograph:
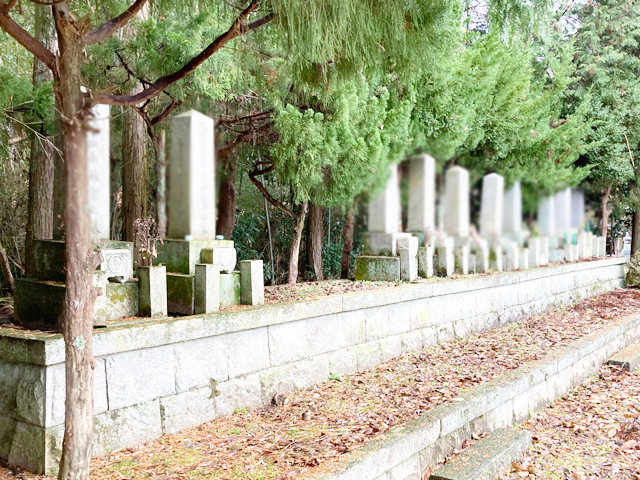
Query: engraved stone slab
x,y
98,168
224,256
117,262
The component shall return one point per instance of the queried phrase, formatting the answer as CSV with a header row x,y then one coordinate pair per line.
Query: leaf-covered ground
x,y
593,432
309,431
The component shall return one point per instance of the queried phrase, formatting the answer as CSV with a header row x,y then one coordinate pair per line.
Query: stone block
x,y
225,257
495,258
461,259
512,212
408,265
138,376
546,244
117,262
207,285
628,358
181,256
180,293
7,427
157,291
445,261
512,255
343,361
377,269
28,448
546,216
351,328
188,409
523,258
288,342
49,260
122,300
229,289
556,255
241,392
98,169
198,362
321,334
252,282
570,253
248,351
382,243
100,303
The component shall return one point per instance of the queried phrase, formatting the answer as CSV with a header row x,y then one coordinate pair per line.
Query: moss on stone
x,y
377,269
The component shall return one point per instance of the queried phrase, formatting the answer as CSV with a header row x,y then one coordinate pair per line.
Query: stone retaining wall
x,y
405,452
160,376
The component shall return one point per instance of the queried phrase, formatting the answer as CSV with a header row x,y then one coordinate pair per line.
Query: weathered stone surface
x,y
28,447
252,282
49,260
495,258
181,256
156,291
408,265
242,392
188,409
98,163
512,255
384,244
225,257
491,207
139,376
199,361
461,256
377,269
192,187
7,427
288,342
456,202
422,188
229,289
117,262
384,211
207,285
445,259
122,300
628,358
39,304
425,262
180,293
248,351
486,459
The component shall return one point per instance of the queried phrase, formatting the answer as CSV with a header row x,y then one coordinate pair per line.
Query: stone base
x,y
377,269
180,293
122,300
181,256
382,243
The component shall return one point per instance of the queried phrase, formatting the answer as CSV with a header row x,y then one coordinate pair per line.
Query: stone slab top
x,y
43,348
627,358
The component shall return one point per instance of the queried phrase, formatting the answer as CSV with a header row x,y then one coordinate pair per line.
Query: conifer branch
x,y
107,29
237,29
253,177
23,37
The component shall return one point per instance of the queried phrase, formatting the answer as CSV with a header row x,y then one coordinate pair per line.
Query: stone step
x,y
488,458
627,358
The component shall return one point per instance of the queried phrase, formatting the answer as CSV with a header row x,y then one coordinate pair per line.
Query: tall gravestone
x,y
577,208
491,206
546,217
456,203
422,188
512,213
562,205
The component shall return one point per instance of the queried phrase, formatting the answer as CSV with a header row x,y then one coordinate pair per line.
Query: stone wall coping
x,y
42,348
380,455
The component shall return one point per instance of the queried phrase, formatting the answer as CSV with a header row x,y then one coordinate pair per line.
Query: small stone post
x,y
408,251
153,291
251,282
207,294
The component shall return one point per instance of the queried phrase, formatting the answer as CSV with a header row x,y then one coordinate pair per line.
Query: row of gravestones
x,y
195,270
453,245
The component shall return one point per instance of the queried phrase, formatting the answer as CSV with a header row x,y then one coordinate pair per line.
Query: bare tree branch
x,y
24,38
237,29
253,174
109,27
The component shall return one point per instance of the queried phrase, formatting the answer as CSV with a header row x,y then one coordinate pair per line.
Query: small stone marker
x,y
153,291
225,257
422,188
570,253
523,258
512,255
192,212
535,250
99,164
495,258
445,259
488,458
377,269
408,252
207,295
425,262
456,202
251,282
384,211
627,358
546,216
461,255
491,206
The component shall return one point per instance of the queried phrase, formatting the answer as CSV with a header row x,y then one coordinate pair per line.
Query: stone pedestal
x,y
456,202
153,291
181,256
224,257
535,251
584,245
377,269
544,250
207,295
251,282
229,289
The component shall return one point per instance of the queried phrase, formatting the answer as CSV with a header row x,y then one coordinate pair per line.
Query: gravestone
x,y
491,206
99,162
456,202
546,217
577,208
512,210
422,188
252,282
562,205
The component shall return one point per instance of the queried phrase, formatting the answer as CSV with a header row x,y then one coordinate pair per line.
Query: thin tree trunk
x,y
314,244
347,233
227,200
135,174
635,232
79,299
161,182
294,252
605,211
6,269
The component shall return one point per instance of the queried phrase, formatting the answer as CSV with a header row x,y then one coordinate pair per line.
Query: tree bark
x,y
40,210
228,196
635,232
314,243
79,299
347,234
161,182
605,211
6,269
135,174
294,252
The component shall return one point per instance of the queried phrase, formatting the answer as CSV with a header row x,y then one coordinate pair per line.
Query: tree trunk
x,y
347,233
227,200
79,299
314,244
294,252
135,174
40,221
605,211
635,232
6,269
161,182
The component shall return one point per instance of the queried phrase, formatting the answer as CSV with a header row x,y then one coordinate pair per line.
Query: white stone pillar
x,y
422,188
546,217
456,202
207,294
192,194
98,163
384,211
491,206
563,211
252,282
577,208
512,210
